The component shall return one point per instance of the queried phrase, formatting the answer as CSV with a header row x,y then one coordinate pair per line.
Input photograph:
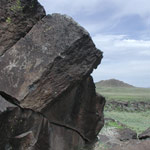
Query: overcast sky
x,y
121,29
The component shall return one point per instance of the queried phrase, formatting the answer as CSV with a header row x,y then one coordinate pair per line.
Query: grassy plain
x,y
124,94
138,121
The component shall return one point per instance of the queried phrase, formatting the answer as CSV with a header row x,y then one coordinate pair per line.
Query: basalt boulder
x,y
145,134
5,104
49,70
24,129
17,17
45,73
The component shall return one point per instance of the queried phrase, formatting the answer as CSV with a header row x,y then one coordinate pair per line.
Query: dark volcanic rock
x,y
24,129
49,71
48,99
127,134
7,102
132,145
16,19
80,108
5,105
145,134
54,55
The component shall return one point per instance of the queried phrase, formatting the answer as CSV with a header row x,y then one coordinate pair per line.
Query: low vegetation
x,y
138,120
8,20
113,124
17,6
124,94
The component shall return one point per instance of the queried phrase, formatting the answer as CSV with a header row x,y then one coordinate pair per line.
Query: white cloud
x,y
126,59
133,43
145,52
131,72
140,7
70,7
100,15
121,43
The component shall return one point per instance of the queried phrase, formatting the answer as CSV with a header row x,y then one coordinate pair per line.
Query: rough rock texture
x,y
145,134
23,129
132,145
16,18
81,106
116,136
45,70
127,134
54,55
5,105
49,71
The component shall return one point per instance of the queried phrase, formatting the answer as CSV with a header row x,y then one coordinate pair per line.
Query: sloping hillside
x,y
113,83
118,90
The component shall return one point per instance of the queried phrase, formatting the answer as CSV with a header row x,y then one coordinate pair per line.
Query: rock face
x,y
55,54
17,18
52,65
127,134
26,130
5,105
145,134
48,72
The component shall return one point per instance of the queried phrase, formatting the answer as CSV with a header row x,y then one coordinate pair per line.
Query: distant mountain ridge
x,y
113,83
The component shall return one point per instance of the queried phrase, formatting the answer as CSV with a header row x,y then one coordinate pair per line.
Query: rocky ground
x,y
127,106
116,136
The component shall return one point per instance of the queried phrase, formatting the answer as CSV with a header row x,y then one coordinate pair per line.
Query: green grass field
x,y
124,94
138,121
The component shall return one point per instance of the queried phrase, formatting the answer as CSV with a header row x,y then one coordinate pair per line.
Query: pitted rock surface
x,y
17,17
46,69
26,130
56,56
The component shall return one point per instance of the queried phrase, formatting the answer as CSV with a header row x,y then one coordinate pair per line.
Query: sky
x,y
121,29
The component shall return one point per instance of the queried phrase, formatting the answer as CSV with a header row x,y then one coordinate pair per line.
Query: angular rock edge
x,y
17,18
48,71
